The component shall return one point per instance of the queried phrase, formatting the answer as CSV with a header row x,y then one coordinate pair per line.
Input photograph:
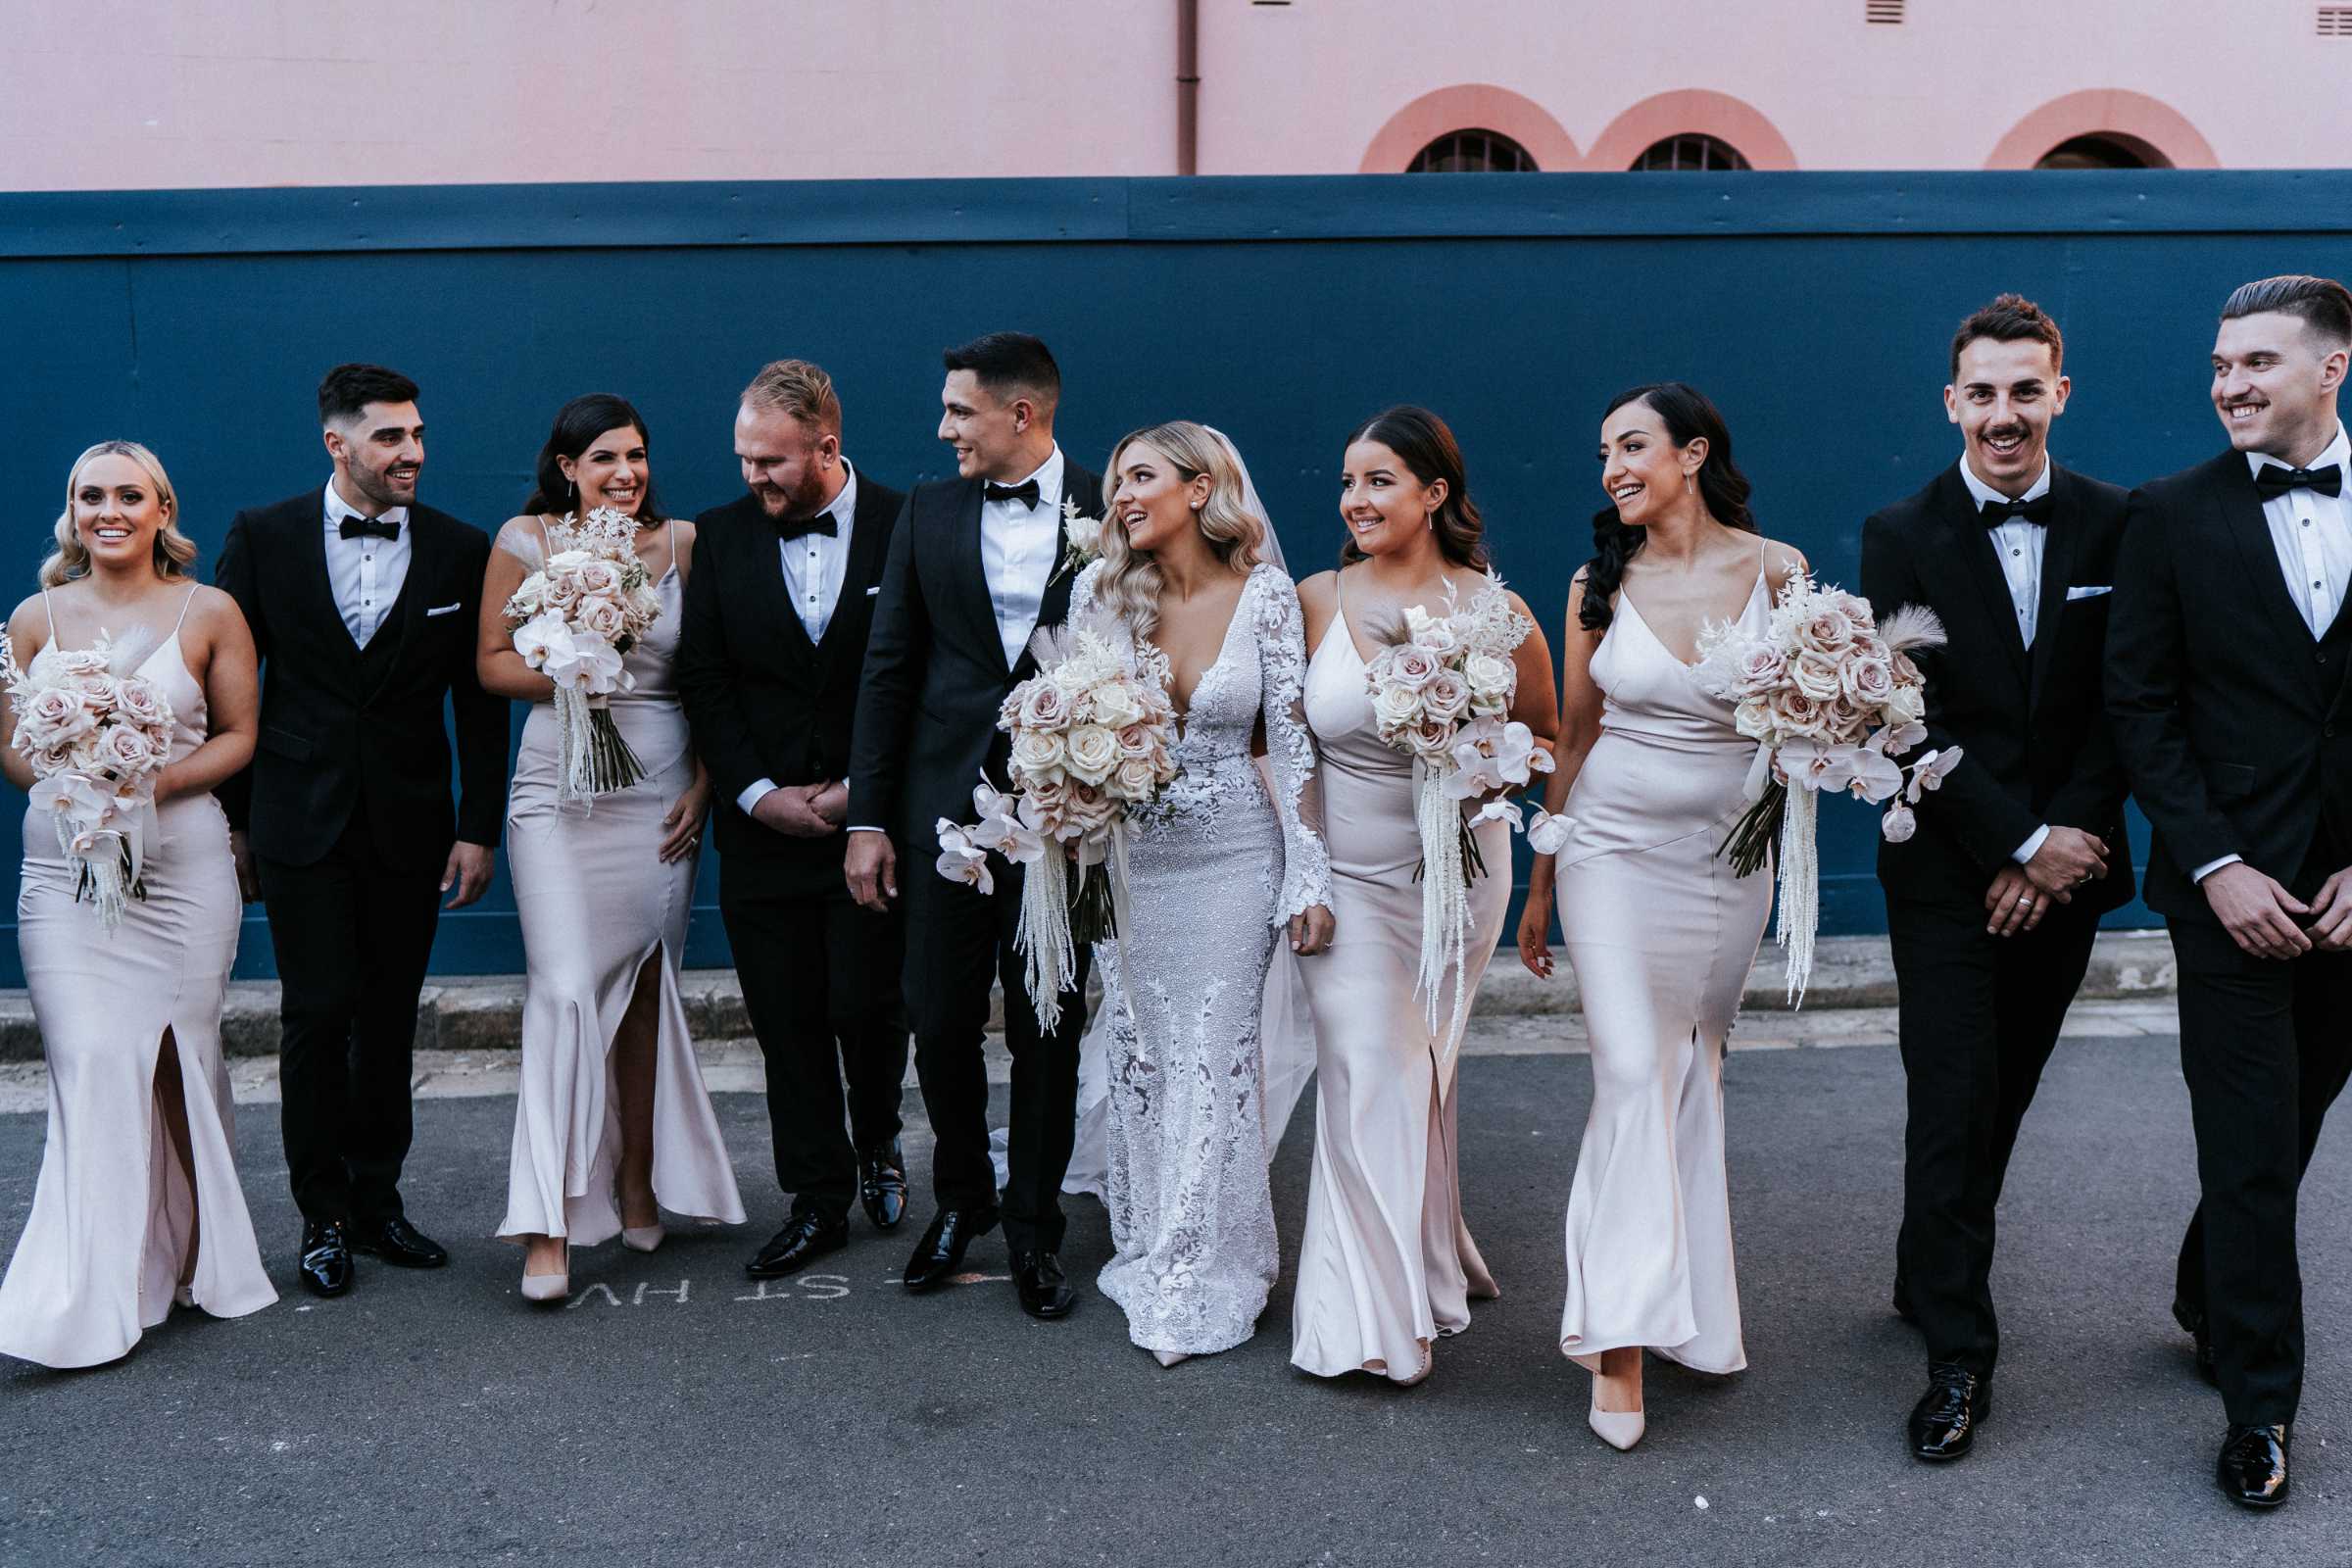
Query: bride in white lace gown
x,y
1216,869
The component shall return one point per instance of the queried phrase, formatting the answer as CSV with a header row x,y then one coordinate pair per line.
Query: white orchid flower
x,y
1548,834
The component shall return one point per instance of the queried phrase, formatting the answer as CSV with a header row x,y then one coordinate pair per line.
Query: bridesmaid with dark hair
x,y
613,1122
1386,1265
1661,931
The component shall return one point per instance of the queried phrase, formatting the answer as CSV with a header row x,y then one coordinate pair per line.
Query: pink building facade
x,y
143,94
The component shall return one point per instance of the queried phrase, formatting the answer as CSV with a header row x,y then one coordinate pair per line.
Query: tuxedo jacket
x,y
349,730
935,669
2228,714
764,701
2030,723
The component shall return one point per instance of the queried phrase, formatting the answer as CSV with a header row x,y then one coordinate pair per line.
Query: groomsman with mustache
x,y
1994,899
2226,680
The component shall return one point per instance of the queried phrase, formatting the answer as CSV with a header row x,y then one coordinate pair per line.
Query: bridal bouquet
x,y
1442,695
572,619
96,735
1830,696
1089,744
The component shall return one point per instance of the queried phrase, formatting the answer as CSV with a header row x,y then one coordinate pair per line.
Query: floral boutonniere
x,y
1081,542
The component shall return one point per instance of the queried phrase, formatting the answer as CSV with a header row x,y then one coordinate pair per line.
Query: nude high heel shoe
x,y
543,1289
643,1238
1619,1429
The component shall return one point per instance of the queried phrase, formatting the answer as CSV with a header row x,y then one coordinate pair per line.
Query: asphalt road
x,y
675,1414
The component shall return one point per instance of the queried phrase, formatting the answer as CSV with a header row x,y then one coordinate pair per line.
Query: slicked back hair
x,y
2323,303
348,388
2009,319
1010,364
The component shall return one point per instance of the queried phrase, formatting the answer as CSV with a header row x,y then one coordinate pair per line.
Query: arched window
x,y
1472,151
1689,152
2103,150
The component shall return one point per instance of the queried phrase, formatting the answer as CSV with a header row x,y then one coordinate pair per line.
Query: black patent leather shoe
x,y
940,1254
1944,1421
397,1241
2252,1468
1045,1290
2201,1331
804,1240
325,1266
882,1184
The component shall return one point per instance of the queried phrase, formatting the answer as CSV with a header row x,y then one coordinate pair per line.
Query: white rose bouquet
x,y
96,735
1831,695
1442,695
1090,743
572,619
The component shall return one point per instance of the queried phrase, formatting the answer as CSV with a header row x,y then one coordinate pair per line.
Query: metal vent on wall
x,y
2335,22
1888,12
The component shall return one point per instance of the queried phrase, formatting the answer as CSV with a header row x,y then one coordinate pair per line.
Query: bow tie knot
x,y
801,527
355,527
1026,492
2276,479
1995,512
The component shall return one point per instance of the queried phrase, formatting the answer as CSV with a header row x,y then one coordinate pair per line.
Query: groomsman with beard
x,y
977,564
2226,682
772,641
1993,902
362,602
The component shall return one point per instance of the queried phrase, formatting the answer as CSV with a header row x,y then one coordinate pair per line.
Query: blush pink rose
x,y
1815,673
1413,667
1446,697
1759,670
1868,682
1045,706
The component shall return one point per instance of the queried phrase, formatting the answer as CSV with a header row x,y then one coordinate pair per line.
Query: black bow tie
x,y
1026,492
802,527
1995,512
2276,479
360,528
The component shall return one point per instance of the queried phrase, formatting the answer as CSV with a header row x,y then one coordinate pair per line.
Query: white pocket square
x,y
2073,594
445,610
875,589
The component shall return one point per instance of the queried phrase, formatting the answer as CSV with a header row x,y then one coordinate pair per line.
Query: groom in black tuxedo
x,y
773,640
976,565
1994,903
2226,680
362,604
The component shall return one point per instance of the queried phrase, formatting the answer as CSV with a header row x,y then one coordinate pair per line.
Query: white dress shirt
x,y
1018,547
2313,536
2019,543
815,564
365,573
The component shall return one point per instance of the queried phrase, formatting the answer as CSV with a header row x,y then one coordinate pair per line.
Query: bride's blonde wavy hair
x,y
1129,587
174,552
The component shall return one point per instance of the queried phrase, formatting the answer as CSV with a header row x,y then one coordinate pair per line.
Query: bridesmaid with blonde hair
x,y
613,1122
138,1205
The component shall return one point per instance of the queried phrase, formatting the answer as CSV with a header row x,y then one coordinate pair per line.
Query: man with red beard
x,y
1993,901
772,642
2225,685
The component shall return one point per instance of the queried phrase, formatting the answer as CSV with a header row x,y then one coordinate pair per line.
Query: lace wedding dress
x,y
1216,867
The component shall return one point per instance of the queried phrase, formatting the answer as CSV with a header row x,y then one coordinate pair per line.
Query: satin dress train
x,y
596,902
108,1235
1662,935
1386,1264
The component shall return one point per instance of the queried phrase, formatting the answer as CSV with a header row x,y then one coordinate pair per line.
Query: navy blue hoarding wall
x,y
1814,308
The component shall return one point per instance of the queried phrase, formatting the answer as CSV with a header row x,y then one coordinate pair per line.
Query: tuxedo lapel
x,y
967,577
408,605
2240,505
1965,532
317,593
2058,539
